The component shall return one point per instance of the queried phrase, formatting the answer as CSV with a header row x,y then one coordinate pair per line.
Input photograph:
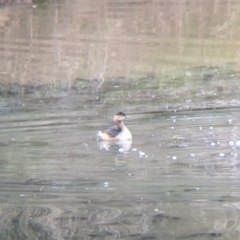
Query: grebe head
x,y
119,117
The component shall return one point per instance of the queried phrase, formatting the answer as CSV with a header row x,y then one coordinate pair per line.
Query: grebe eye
x,y
121,114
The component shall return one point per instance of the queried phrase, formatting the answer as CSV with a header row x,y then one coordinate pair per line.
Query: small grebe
x,y
119,132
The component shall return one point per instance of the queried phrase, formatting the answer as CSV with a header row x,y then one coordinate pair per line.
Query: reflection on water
x,y
172,67
59,42
119,146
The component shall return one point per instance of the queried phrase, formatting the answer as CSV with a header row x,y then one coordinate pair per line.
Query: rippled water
x,y
178,180
177,79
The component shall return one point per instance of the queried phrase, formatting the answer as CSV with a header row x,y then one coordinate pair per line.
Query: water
x,y
65,71
180,171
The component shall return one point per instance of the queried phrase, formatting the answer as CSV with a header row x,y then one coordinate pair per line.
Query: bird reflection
x,y
115,146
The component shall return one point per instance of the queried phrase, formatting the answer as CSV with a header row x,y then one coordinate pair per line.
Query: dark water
x,y
178,179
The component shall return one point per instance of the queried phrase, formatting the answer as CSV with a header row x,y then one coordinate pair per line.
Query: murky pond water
x,y
178,83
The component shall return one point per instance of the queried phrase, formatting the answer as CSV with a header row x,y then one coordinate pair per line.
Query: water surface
x,y
179,178
67,67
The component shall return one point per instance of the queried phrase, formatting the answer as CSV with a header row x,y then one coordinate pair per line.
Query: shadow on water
x,y
177,179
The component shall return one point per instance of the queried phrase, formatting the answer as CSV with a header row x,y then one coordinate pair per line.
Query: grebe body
x,y
116,133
